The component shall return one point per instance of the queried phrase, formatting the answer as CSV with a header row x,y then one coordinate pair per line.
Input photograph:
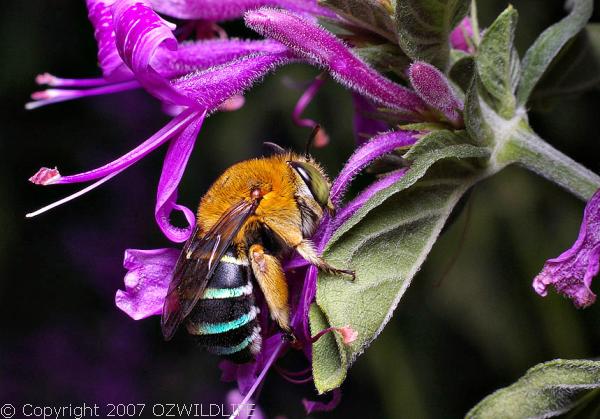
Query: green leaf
x,y
367,14
332,364
423,28
385,242
549,44
497,64
547,389
575,70
384,58
462,72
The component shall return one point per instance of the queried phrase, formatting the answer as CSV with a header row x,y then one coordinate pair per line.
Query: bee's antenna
x,y
311,139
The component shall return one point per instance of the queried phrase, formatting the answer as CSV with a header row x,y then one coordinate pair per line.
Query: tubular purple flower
x,y
143,40
572,272
217,10
460,37
312,42
434,88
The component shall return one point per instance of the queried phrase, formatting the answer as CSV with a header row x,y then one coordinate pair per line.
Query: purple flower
x,y
193,80
572,272
320,47
434,88
461,37
231,9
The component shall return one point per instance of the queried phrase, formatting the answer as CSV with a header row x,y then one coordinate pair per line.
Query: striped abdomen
x,y
224,321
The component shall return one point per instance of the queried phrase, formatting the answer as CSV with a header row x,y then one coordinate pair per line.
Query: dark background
x,y
62,340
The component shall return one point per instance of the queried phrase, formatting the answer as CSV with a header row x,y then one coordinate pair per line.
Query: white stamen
x,y
73,196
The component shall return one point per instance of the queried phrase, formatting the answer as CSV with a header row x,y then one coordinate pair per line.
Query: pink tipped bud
x,y
45,176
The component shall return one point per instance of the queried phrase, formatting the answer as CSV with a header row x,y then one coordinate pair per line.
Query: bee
x,y
255,214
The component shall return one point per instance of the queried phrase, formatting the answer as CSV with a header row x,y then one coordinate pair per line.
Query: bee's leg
x,y
309,253
271,279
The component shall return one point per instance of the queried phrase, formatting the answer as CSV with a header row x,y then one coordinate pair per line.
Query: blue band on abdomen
x,y
214,328
222,293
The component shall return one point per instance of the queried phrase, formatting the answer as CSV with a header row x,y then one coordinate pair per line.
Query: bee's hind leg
x,y
271,279
309,253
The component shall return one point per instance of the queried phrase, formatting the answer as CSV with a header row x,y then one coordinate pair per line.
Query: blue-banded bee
x,y
255,214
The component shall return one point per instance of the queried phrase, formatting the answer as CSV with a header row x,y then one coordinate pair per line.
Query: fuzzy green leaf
x,y
497,64
423,28
386,242
384,58
575,70
546,390
367,14
549,44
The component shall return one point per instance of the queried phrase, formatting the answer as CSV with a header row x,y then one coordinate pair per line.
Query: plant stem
x,y
530,151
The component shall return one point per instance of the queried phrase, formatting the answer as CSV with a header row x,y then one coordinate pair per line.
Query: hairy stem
x,y
526,149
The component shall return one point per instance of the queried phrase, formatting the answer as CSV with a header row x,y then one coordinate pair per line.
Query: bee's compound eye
x,y
303,174
256,194
314,180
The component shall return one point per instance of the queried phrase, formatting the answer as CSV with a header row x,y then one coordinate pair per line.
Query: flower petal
x,y
172,128
217,10
351,207
140,35
435,90
100,15
318,406
176,160
459,37
200,55
364,126
363,156
146,282
312,42
210,88
572,272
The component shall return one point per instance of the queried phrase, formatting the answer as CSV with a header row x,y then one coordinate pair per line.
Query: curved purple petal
x,y
174,165
146,282
217,10
435,90
364,155
318,406
140,35
172,128
572,272
100,15
312,42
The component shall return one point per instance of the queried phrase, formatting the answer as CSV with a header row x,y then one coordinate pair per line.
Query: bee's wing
x,y
197,262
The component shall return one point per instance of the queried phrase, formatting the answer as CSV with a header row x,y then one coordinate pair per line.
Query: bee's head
x,y
315,180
